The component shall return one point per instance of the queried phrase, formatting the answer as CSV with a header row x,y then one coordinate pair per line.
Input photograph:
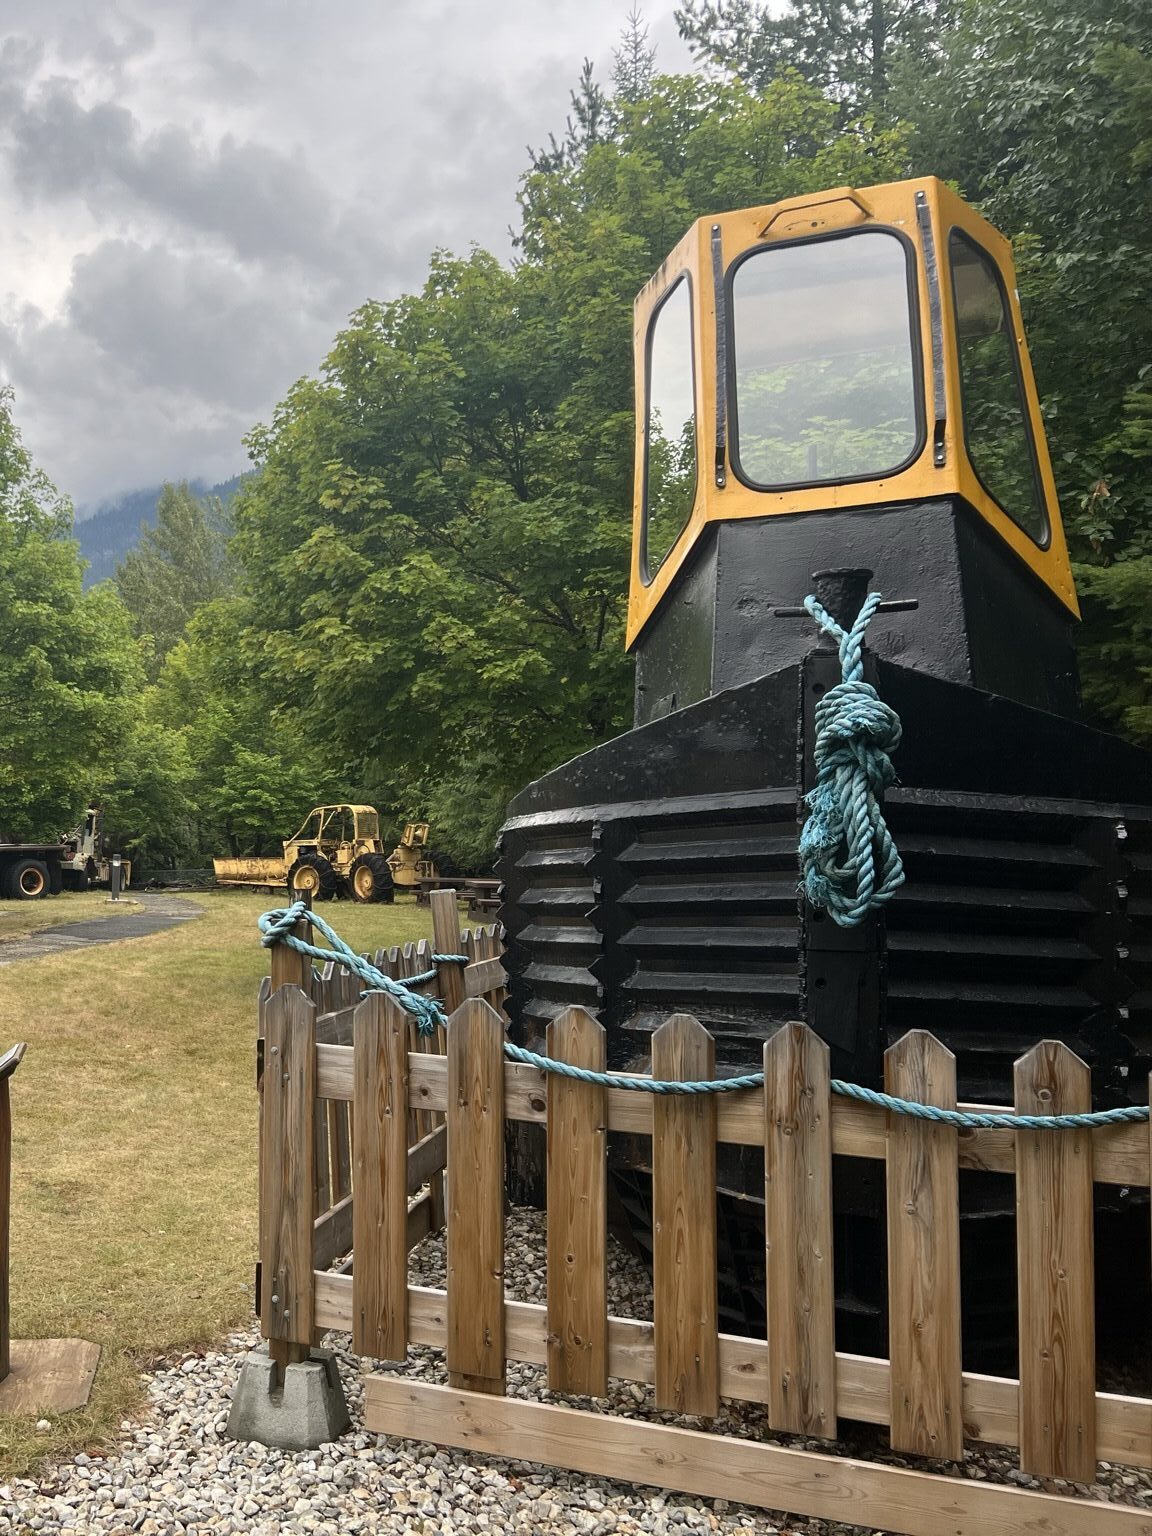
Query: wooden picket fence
x,y
1053,1413
332,999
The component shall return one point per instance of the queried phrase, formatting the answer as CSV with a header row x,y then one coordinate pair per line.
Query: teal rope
x,y
276,928
850,864
640,1084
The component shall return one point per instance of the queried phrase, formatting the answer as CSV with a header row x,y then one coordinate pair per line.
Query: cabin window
x,y
825,361
670,432
996,430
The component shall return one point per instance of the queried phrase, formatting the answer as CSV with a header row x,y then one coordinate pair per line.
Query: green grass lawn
x,y
20,918
134,1144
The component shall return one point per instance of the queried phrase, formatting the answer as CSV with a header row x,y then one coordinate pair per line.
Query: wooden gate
x,y
931,1406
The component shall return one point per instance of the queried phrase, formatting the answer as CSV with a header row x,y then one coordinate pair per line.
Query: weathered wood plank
x,y
1055,1270
1121,1151
577,1211
927,1414
332,1233
48,1376
446,941
713,1466
798,1234
1124,1424
475,1348
380,1209
684,1221
427,1157
287,1162
483,977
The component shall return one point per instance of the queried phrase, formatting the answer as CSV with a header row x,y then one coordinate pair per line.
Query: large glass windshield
x,y
670,442
826,378
995,424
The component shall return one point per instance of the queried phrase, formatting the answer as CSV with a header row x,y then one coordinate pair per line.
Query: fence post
x,y
684,1236
926,1412
798,1231
287,1165
475,1352
380,1209
1054,1269
577,1210
8,1064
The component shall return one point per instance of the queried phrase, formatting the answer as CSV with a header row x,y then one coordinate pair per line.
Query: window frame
x,y
648,576
915,328
987,258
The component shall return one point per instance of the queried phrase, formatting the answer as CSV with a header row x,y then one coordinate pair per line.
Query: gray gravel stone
x,y
173,1474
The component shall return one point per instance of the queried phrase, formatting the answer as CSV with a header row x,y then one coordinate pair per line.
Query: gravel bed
x,y
173,1472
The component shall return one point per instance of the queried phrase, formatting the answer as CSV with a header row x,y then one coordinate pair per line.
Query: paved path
x,y
141,915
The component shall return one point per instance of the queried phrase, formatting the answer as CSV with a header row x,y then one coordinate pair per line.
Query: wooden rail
x,y
1050,1411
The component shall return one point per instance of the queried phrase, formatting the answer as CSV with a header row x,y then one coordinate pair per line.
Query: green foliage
x,y
175,568
71,667
1041,116
1116,654
248,781
848,49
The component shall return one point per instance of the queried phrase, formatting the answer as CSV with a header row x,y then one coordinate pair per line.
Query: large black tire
x,y
55,877
312,874
445,865
370,879
27,880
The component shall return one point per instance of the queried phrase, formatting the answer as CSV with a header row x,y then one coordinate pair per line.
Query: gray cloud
x,y
194,195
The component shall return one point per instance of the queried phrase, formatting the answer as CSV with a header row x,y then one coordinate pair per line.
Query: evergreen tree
x,y
847,48
176,567
634,62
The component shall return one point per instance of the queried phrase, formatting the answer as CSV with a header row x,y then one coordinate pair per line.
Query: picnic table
x,y
480,896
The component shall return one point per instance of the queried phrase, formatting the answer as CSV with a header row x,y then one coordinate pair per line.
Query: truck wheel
x,y
28,880
312,875
55,877
370,878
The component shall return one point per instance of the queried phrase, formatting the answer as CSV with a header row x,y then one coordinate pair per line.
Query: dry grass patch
x,y
134,1145
18,919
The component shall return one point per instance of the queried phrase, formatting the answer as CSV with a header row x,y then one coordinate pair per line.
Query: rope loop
x,y
850,864
276,927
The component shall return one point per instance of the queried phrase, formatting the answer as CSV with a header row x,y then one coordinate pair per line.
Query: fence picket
x,y
475,1346
923,1180
287,1160
684,1228
798,1233
577,1211
1054,1269
380,1209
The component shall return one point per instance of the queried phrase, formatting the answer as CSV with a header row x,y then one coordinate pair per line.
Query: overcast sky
x,y
194,194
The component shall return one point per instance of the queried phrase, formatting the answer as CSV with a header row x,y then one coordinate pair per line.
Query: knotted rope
x,y
850,863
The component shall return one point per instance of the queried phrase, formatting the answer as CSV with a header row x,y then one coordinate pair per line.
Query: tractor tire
x,y
28,880
444,864
312,875
370,879
55,877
